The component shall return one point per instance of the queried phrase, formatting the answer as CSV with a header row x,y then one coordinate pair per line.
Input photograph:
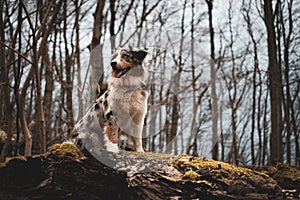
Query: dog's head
x,y
124,60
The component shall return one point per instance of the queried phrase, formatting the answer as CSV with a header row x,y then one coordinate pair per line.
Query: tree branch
x,y
20,54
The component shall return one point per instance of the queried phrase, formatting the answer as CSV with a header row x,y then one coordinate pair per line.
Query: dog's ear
x,y
140,55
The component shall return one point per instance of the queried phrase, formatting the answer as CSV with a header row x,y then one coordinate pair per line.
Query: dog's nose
x,y
114,65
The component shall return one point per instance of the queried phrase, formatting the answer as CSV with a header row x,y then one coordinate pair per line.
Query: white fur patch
x,y
110,146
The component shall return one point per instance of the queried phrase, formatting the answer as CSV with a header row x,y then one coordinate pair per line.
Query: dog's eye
x,y
125,56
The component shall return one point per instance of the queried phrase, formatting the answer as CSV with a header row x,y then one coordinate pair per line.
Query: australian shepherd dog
x,y
116,118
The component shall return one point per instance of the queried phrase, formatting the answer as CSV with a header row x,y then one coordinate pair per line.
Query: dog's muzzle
x,y
119,72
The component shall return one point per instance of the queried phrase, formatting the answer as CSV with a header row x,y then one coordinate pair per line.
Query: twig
x,y
23,56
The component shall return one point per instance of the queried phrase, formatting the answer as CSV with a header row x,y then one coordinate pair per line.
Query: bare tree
x,y
79,90
275,86
247,18
214,100
112,25
69,74
97,72
232,77
5,104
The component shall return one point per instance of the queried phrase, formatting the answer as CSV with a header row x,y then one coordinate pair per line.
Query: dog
x,y
116,118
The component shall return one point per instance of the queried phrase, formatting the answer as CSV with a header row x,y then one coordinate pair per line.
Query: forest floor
x,y
67,173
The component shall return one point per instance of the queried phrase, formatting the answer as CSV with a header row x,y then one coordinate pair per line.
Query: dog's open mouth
x,y
121,72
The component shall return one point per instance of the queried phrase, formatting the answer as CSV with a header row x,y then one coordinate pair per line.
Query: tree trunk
x,y
112,25
48,92
23,121
6,106
96,59
254,85
79,90
62,175
3,69
287,103
275,87
265,131
69,77
214,100
232,93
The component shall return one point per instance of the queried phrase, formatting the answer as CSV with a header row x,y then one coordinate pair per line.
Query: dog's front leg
x,y
137,139
111,134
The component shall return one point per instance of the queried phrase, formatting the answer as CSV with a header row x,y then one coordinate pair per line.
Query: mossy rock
x,y
64,151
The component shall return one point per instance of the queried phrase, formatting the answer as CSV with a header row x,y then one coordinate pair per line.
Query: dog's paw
x,y
112,147
140,149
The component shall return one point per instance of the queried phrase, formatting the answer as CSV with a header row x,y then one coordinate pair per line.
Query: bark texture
x,y
129,176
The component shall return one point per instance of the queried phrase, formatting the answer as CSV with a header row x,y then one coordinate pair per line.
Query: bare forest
x,y
223,76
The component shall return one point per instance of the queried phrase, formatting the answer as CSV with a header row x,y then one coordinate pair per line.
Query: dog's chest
x,y
119,96
123,100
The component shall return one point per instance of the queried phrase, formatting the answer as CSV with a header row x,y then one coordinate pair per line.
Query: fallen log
x,y
67,173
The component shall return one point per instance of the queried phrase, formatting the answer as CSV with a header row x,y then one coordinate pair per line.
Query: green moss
x,y
64,151
194,168
190,175
173,179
